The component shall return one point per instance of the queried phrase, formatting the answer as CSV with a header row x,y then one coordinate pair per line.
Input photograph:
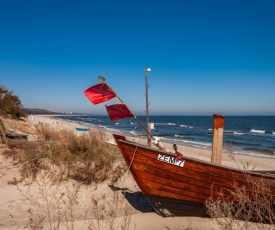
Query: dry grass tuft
x,y
85,158
27,156
248,206
105,210
18,125
58,204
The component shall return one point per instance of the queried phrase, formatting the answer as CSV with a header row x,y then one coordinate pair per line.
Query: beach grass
x,y
86,158
18,125
250,206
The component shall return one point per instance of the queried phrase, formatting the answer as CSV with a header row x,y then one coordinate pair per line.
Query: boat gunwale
x,y
265,174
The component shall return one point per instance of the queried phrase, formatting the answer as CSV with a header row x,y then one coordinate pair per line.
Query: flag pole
x,y
155,140
103,80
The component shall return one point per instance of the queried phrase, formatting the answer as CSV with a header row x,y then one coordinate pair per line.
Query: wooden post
x,y
2,133
216,157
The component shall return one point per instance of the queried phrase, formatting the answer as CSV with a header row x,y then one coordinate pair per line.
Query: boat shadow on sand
x,y
136,199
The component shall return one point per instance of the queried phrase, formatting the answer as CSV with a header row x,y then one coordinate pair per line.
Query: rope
x,y
132,159
124,190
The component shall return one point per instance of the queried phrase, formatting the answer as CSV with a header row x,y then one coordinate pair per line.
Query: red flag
x,y
99,93
118,111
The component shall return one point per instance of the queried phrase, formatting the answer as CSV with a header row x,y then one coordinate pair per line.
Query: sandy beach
x,y
23,201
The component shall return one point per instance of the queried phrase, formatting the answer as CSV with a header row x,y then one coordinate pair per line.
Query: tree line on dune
x,y
10,104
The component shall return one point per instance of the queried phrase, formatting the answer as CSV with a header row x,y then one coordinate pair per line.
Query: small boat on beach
x,y
81,129
181,188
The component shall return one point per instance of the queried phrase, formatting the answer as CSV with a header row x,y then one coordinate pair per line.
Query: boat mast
x,y
103,80
156,141
147,69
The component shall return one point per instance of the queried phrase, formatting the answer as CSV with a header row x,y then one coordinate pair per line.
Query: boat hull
x,y
166,206
82,129
181,188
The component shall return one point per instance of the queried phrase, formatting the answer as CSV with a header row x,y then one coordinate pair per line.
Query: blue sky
x,y
206,56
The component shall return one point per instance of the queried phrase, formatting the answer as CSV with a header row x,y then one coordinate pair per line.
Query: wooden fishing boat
x,y
181,188
176,185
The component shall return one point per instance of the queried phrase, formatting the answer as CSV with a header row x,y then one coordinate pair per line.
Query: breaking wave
x,y
238,133
257,131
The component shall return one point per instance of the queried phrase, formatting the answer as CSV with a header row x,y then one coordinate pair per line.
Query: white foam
x,y
257,131
191,143
171,124
254,154
186,126
134,132
112,130
238,133
161,124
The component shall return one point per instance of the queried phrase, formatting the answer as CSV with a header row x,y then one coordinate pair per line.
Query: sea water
x,y
248,135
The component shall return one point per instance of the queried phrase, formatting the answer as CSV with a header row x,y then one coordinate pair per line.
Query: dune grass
x,y
85,158
247,207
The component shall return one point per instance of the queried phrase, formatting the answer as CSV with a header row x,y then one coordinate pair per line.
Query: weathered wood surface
x,y
193,184
2,133
216,156
17,136
5,135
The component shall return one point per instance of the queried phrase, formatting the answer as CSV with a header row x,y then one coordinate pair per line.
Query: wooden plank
x,y
216,156
204,176
193,183
16,136
3,132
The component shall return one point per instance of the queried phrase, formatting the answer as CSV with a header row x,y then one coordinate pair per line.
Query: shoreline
x,y
245,149
253,162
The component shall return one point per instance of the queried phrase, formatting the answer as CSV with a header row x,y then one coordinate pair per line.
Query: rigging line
x,y
102,79
124,191
132,158
119,99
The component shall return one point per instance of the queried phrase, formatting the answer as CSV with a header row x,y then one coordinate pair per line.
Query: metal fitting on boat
x,y
156,142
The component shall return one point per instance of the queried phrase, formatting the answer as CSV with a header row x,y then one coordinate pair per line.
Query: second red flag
x,y
118,111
